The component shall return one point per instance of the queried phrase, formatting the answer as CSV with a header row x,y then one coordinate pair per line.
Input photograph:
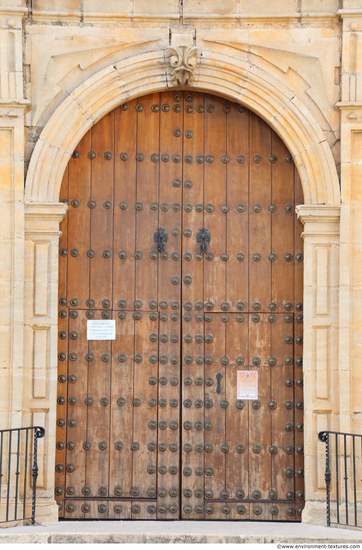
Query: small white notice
x,y
247,384
101,330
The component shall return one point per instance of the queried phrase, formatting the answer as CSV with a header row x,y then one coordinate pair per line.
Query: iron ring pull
x,y
161,237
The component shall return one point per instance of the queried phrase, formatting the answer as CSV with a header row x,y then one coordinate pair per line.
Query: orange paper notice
x,y
247,384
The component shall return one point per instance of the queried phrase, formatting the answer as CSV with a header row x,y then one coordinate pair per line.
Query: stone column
x,y
321,347
41,340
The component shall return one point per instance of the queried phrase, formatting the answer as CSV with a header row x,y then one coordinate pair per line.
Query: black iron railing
x,y
343,477
19,473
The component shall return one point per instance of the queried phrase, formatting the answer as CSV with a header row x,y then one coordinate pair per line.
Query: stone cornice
x,y
23,104
319,220
318,212
50,15
8,10
349,13
44,218
44,15
55,15
265,17
348,105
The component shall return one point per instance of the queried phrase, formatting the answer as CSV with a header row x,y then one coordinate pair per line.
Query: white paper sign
x,y
101,330
247,384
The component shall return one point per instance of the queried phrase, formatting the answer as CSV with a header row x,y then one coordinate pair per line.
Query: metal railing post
x,y
324,437
341,490
38,434
17,466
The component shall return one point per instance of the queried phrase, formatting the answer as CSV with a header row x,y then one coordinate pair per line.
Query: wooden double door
x,y
181,229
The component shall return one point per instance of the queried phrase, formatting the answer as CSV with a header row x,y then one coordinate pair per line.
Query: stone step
x,y
162,532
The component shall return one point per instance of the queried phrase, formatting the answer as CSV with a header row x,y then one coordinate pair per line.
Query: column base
x,y
315,512
46,511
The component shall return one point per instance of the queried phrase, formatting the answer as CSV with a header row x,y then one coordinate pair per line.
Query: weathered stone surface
x,y
55,5
210,7
112,6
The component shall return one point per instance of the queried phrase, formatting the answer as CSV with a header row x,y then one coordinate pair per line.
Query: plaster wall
x,y
66,63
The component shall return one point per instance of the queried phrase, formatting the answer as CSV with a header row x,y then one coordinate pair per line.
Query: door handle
x,y
218,378
161,237
203,237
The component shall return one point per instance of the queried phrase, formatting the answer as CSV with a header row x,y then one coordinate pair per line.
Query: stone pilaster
x,y
351,219
41,340
321,346
12,109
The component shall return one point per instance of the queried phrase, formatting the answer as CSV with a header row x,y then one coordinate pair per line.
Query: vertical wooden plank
x,y
215,416
79,223
124,205
193,180
259,214
98,415
259,414
215,195
61,434
281,398
170,192
193,303
63,243
168,474
282,220
144,459
121,432
298,244
169,413
237,414
282,332
237,268
147,194
259,342
169,303
193,349
77,409
101,208
62,349
298,353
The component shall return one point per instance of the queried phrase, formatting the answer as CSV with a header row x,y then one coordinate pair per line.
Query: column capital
x,y
319,219
44,218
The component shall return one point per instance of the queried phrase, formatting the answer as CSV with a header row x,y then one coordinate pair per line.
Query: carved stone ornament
x,y
183,60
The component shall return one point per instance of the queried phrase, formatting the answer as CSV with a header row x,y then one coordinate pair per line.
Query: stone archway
x,y
277,105
216,73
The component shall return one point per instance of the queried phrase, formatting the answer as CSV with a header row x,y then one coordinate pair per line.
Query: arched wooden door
x,y
181,229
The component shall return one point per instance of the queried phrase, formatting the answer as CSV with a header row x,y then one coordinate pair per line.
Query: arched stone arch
x,y
216,73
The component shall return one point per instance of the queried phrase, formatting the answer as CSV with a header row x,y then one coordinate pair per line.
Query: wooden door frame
x,y
320,215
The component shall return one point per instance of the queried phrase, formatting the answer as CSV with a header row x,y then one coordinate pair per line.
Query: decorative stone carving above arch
x,y
183,60
216,73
